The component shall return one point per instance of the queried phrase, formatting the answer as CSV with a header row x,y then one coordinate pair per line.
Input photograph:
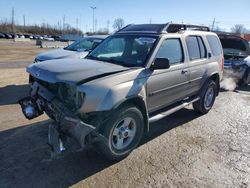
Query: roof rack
x,y
161,28
175,27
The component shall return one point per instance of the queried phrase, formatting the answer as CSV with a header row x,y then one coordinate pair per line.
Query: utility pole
x,y
77,25
13,19
80,25
86,28
24,20
150,21
93,8
108,22
213,25
95,24
63,23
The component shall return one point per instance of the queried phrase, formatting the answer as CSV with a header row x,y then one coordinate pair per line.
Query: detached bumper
x,y
65,124
69,127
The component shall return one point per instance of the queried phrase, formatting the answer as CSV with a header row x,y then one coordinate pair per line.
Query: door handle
x,y
184,71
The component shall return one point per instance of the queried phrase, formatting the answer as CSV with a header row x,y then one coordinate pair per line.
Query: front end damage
x,y
66,122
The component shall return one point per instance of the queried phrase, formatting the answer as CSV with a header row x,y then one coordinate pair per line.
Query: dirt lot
x,y
182,150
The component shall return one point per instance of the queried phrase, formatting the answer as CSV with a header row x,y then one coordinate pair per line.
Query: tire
x,y
207,98
121,140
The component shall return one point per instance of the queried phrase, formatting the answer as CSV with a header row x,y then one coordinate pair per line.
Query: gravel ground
x,y
182,150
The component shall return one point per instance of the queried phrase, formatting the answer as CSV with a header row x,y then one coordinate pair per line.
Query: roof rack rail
x,y
175,27
161,28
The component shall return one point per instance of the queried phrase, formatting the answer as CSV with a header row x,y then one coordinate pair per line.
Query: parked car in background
x,y
28,36
21,36
76,50
48,38
8,36
236,54
56,37
2,35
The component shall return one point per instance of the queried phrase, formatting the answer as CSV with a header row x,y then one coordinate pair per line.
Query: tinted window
x,y
193,48
202,48
171,49
214,45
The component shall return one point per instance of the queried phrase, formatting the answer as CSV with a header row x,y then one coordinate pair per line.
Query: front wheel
x,y
207,98
123,133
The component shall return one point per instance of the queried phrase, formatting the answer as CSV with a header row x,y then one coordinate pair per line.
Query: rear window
x,y
214,44
196,47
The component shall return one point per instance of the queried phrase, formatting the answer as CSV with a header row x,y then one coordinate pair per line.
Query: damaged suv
x,y
139,75
237,58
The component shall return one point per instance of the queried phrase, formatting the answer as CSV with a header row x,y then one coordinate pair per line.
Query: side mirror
x,y
160,63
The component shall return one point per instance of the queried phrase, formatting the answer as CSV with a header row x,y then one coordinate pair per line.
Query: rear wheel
x,y
123,132
207,98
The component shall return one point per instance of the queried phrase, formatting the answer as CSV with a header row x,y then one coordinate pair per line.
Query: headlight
x,y
70,96
80,96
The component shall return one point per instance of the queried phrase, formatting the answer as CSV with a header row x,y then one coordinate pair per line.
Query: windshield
x,y
85,44
125,50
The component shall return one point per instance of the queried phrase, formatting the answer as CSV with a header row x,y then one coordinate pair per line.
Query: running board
x,y
168,112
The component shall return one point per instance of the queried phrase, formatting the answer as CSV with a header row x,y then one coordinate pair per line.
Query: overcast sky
x,y
226,12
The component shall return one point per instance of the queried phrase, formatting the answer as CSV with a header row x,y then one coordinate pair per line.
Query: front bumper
x,y
65,123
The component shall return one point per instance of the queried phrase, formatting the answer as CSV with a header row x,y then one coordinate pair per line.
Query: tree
x,y
118,24
238,28
218,28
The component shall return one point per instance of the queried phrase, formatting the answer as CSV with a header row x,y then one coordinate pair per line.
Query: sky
x,y
225,12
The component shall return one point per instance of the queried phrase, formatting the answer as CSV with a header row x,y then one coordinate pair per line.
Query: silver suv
x,y
137,76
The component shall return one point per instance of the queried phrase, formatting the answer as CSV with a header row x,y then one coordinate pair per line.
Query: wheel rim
x,y
209,96
123,133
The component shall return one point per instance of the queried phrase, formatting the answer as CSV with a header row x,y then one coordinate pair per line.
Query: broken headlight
x,y
69,95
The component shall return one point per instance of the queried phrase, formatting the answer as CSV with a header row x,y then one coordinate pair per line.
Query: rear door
x,y
198,59
167,86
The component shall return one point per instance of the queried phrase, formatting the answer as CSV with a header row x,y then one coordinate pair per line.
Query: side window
x,y
171,49
214,45
196,48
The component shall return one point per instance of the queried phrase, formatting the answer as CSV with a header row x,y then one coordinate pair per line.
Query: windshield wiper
x,y
92,57
69,49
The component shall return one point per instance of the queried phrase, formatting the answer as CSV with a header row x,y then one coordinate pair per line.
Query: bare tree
x,y
238,28
218,28
118,23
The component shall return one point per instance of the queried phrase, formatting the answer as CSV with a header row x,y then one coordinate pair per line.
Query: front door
x,y
167,86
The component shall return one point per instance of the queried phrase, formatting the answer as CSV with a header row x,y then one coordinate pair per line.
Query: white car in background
x,y
76,50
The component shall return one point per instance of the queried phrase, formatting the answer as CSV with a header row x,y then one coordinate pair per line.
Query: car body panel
x,y
60,54
72,71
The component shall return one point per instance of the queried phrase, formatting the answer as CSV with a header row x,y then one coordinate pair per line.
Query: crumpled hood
x,y
72,71
60,54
